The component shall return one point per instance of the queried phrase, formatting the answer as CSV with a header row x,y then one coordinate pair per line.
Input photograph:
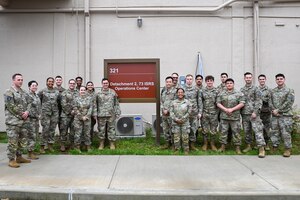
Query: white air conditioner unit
x,y
130,126
154,126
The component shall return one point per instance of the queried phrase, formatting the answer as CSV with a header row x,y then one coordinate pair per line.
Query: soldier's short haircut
x,y
82,87
175,73
58,76
199,75
31,82
279,75
189,75
179,89
224,73
247,73
104,79
71,80
49,79
169,77
262,75
209,77
229,80
78,77
14,76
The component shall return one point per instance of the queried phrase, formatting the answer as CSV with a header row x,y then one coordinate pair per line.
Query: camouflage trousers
x,y
33,133
111,131
82,132
282,126
194,122
66,124
209,126
49,123
166,125
235,126
17,140
256,125
181,135
266,120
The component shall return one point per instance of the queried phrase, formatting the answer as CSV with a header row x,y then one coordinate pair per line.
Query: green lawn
x,y
147,146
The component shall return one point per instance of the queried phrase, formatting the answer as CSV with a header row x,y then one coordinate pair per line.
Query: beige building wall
x,y
48,38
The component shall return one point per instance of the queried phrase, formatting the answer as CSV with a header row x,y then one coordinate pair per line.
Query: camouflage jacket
x,y
49,99
192,94
221,88
34,105
92,96
282,99
15,104
209,99
181,110
67,102
167,96
265,96
107,104
230,100
83,106
253,100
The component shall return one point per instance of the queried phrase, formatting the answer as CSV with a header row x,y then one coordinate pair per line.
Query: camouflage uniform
x,y
67,117
92,95
108,109
230,100
282,99
181,109
50,114
167,96
34,103
221,87
192,94
253,103
265,111
83,107
16,127
210,112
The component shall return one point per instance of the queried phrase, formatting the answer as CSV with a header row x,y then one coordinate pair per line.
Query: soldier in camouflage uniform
x,y
222,86
67,116
199,81
175,77
49,118
251,116
16,117
192,94
108,110
90,91
210,113
34,103
180,114
281,102
83,108
230,102
78,80
167,96
265,111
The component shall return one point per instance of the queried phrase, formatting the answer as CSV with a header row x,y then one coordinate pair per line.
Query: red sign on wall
x,y
134,80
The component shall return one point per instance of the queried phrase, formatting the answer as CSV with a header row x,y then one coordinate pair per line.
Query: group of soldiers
x,y
75,110
264,114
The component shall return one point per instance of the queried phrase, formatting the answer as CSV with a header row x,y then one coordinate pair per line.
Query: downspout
x,y
87,41
256,40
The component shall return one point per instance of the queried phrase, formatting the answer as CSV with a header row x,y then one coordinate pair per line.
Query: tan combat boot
x,y
112,145
50,148
267,147
248,148
287,153
42,149
167,145
101,145
274,149
88,148
238,150
222,148
32,156
12,163
192,146
212,145
62,148
20,159
261,153
186,152
204,147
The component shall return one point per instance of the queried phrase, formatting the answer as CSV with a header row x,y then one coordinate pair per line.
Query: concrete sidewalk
x,y
151,177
